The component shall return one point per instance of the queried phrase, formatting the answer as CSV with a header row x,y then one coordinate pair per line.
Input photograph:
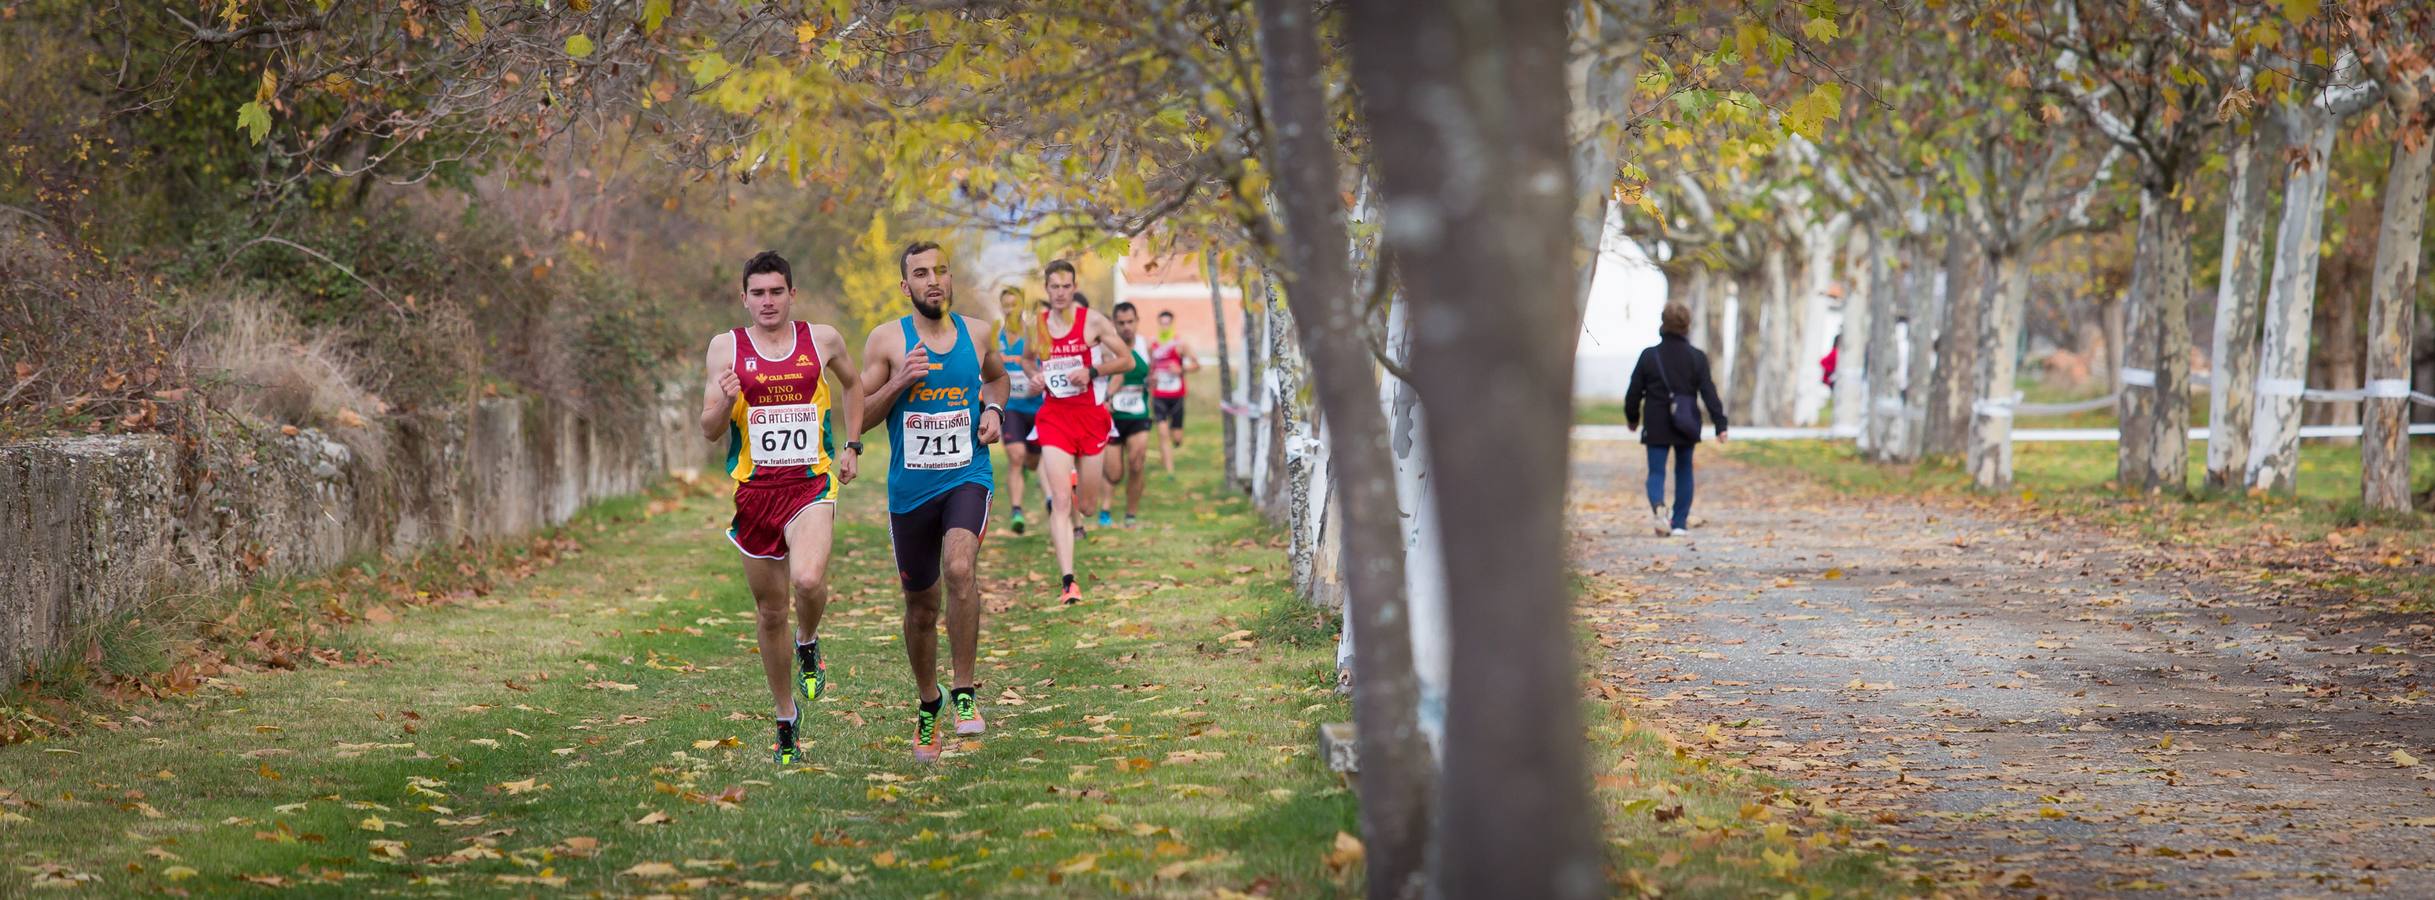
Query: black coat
x,y
1648,404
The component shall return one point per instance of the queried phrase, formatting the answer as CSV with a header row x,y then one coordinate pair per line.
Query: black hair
x,y
912,249
1125,307
1081,301
768,261
1055,266
1166,314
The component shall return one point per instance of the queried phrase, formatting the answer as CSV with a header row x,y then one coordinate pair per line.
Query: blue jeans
x,y
1682,480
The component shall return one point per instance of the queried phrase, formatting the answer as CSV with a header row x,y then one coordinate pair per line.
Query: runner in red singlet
x,y
1170,358
766,397
1073,425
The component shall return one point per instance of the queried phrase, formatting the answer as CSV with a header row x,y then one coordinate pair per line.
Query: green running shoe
x,y
784,752
927,742
813,683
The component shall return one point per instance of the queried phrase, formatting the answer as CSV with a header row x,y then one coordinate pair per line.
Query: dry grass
x,y
257,361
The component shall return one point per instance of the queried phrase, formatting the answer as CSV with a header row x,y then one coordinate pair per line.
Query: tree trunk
x,y
1396,775
2274,462
2384,454
1927,321
1599,78
1890,308
1282,386
1741,390
1702,302
2154,454
1217,313
1810,339
2337,356
1775,393
1990,457
1852,348
1484,236
1956,374
1424,557
2230,399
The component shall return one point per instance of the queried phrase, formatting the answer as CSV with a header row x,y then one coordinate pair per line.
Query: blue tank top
x,y
932,426
1018,382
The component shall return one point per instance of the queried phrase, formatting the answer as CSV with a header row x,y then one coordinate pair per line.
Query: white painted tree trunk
x,y
1928,290
1990,452
1775,397
1821,243
2237,309
1424,568
1889,305
1860,299
2274,462
1741,386
2384,476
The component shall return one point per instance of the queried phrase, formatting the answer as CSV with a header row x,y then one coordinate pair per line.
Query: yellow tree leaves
x,y
1807,116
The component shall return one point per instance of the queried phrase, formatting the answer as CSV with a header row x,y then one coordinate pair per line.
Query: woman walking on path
x,y
1667,378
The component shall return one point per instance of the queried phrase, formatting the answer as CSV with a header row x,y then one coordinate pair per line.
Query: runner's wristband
x,y
855,446
994,408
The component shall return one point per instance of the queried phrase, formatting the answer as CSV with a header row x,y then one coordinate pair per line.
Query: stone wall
x,y
92,526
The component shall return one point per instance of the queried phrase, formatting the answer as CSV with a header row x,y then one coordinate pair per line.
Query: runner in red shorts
x,y
1072,427
765,395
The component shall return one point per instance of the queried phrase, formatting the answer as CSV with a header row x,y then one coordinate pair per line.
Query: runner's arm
x,y
849,386
994,385
716,401
1118,355
1183,351
879,360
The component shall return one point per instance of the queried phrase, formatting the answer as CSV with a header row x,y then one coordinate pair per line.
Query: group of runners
x,y
1055,388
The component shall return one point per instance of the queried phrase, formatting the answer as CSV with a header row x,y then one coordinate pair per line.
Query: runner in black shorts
x,y
935,378
1170,360
1022,403
1129,410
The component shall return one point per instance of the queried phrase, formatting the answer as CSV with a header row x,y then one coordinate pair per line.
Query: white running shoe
x,y
1657,513
1680,532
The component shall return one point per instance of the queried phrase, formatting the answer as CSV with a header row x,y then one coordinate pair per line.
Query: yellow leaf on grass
x,y
179,873
526,786
650,870
1345,857
655,818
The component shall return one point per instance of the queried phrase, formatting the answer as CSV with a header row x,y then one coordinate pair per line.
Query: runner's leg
x,y
807,566
1094,490
1018,458
1136,458
1165,458
1056,469
767,579
921,639
963,552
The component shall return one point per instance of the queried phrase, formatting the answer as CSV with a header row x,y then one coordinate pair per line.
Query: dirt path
x,y
2039,708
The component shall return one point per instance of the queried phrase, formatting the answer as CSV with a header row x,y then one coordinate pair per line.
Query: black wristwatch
x,y
855,446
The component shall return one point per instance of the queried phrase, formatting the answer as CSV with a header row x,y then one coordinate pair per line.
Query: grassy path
x,y
601,727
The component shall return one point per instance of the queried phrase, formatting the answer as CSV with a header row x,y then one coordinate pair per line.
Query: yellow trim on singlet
x,y
740,465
